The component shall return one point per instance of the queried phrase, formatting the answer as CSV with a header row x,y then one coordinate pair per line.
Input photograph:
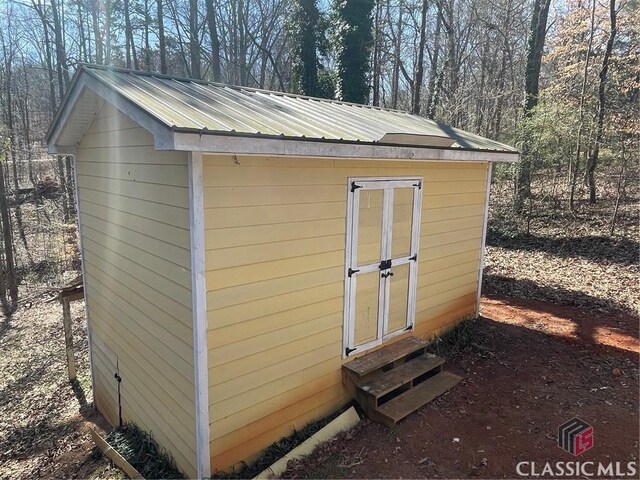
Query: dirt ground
x,y
532,367
44,419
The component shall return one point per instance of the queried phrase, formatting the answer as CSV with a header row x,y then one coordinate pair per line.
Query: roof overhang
x,y
87,94
246,145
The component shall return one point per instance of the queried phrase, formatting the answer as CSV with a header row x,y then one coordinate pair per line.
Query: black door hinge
x,y
117,377
351,271
385,265
414,258
355,186
419,185
410,327
348,350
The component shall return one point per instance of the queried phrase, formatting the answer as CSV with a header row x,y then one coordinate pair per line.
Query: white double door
x,y
383,232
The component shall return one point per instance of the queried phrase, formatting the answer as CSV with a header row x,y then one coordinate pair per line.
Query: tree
x,y
303,30
537,35
595,151
354,42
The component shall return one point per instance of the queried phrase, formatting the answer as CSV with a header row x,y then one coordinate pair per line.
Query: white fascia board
x,y
239,145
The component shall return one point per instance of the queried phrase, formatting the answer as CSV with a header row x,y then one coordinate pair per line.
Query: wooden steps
x,y
395,381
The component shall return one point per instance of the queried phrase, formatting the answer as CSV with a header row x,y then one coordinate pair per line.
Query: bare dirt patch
x,y
531,367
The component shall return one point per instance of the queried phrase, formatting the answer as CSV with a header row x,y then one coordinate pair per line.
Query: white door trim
x,y
353,269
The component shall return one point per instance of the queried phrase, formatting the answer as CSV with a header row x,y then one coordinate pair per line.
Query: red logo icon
x,y
575,436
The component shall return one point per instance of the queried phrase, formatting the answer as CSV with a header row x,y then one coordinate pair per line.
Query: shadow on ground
x,y
525,288
597,249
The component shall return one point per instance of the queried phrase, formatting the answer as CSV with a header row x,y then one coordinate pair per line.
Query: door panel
x,y
402,222
370,209
367,303
398,298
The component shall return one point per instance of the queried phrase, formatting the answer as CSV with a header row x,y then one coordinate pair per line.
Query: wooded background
x,y
560,80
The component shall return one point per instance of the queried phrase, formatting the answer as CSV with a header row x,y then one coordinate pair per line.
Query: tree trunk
x,y
419,75
585,76
9,267
537,35
433,69
395,80
194,41
592,163
377,69
161,40
215,41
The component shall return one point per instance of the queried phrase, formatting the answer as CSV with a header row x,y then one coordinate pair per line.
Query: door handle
x,y
388,274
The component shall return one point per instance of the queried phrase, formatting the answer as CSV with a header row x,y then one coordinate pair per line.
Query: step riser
x,y
365,397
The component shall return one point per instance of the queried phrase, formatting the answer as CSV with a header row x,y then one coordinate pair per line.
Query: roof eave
x,y
261,145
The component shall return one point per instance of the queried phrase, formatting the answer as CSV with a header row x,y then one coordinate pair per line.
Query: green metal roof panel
x,y
190,105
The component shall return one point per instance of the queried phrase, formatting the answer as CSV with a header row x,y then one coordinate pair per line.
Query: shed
x,y
239,246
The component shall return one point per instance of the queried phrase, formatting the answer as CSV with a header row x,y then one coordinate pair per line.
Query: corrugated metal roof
x,y
190,105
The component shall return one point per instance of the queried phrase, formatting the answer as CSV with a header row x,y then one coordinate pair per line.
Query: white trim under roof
x,y
243,145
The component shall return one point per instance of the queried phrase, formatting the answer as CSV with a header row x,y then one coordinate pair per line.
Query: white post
x,y
484,236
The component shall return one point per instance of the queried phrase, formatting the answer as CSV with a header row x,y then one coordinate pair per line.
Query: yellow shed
x,y
239,246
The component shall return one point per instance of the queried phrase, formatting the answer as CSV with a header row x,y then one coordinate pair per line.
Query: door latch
x,y
387,274
385,265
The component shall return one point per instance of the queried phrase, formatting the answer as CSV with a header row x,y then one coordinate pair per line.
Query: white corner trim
x,y
87,317
484,237
199,306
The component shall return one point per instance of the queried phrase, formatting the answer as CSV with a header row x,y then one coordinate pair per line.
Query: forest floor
x,y
558,338
44,418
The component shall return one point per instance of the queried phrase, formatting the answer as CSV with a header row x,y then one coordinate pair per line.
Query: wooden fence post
x,y
68,336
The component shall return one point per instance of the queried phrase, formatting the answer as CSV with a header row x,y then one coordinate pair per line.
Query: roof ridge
x,y
93,66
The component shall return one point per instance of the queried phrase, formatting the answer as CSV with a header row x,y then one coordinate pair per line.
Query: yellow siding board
x,y
172,196
160,231
233,276
253,411
127,154
113,261
162,213
241,176
249,254
289,333
174,353
450,225
245,450
112,123
260,376
177,254
451,262
144,366
441,201
159,265
244,329
128,136
136,250
273,356
277,286
431,277
229,217
452,212
159,174
236,314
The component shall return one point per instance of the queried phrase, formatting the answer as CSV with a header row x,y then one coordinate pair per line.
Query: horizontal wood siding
x,y
275,243
134,213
